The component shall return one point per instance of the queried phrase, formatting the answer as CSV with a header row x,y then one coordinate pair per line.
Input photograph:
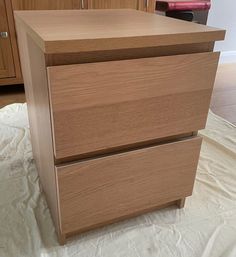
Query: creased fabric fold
x,y
206,227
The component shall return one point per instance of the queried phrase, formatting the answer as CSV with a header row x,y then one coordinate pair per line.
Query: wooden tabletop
x,y
64,31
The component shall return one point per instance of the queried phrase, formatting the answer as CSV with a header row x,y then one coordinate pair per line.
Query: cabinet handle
x,y
82,4
4,34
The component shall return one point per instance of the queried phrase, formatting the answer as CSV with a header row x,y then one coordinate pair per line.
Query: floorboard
x,y
223,102
11,94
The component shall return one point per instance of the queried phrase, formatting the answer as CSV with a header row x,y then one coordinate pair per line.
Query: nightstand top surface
x,y
63,31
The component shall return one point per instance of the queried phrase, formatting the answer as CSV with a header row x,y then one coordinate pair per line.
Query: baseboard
x,y
228,57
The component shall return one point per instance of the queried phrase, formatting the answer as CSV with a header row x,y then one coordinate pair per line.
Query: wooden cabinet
x,y
6,57
46,4
10,70
144,5
9,59
113,4
147,5
114,133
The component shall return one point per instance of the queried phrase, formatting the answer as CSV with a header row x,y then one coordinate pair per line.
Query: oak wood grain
x,y
7,69
151,6
112,4
143,5
126,54
35,79
95,192
10,81
98,106
10,71
14,46
147,5
97,30
46,4
119,100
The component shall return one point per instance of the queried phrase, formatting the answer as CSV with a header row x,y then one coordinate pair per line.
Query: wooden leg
x,y
62,239
181,202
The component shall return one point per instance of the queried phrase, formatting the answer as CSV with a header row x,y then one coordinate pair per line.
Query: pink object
x,y
173,5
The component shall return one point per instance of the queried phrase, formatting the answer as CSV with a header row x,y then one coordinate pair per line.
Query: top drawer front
x,y
97,106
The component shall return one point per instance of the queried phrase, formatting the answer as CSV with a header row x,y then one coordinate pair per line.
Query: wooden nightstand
x,y
115,98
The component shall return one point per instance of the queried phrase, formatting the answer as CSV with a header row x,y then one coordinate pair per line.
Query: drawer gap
x,y
124,149
126,54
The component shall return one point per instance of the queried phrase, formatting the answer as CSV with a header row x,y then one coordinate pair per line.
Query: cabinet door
x,y
147,5
6,58
46,4
112,4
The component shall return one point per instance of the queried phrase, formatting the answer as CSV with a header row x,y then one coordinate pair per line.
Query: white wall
x,y
223,15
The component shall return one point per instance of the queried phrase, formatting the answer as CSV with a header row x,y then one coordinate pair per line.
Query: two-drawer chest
x,y
115,100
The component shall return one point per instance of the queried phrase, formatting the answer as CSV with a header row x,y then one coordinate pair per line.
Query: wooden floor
x,y
223,99
223,102
11,94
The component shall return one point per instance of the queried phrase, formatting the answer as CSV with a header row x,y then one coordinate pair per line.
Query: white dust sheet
x,y
206,227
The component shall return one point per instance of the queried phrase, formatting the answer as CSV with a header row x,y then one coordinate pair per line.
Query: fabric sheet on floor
x,y
206,227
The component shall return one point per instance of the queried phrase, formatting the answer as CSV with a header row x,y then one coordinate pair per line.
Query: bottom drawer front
x,y
96,192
